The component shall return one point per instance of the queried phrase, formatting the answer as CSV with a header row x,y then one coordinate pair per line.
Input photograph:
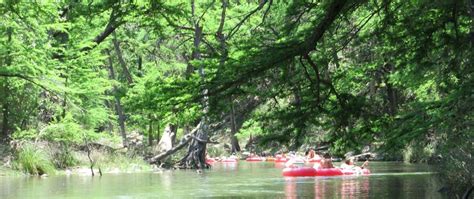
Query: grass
x,y
123,162
6,171
113,161
33,161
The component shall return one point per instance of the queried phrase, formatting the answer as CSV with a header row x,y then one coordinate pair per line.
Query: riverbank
x,y
106,156
6,171
46,158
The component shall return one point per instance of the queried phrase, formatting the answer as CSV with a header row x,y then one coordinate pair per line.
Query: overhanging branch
x,y
287,52
29,79
237,27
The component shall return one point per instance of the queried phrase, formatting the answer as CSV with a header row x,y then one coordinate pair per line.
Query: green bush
x,y
65,130
418,152
33,161
65,159
216,151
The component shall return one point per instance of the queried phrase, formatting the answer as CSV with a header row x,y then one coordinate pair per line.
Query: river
x,y
241,180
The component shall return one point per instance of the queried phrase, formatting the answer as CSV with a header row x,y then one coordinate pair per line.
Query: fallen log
x,y
368,154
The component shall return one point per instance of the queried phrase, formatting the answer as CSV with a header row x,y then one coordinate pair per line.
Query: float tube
x,y
312,160
270,159
229,160
281,160
298,161
210,160
255,159
309,171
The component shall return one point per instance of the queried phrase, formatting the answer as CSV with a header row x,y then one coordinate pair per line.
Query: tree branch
x,y
318,79
118,51
311,81
29,79
267,11
288,51
333,11
237,27
201,140
359,27
205,11
171,23
109,29
184,141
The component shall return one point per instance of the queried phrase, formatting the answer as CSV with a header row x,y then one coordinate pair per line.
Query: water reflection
x,y
279,165
290,188
254,180
322,187
355,187
226,166
229,166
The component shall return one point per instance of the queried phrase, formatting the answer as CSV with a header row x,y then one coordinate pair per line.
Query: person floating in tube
x,y
326,162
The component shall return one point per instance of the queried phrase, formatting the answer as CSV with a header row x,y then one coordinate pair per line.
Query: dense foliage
x,y
391,75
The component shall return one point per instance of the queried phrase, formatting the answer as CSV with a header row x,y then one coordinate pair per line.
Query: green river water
x,y
241,180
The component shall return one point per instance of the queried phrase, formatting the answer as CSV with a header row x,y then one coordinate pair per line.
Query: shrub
x,y
65,159
33,161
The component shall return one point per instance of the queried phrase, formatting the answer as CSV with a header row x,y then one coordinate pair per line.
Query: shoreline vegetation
x,y
43,159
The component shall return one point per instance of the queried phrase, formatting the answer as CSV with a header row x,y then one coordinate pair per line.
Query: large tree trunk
x,y
5,112
235,147
118,105
61,38
196,156
240,111
391,91
108,104
150,132
300,124
5,93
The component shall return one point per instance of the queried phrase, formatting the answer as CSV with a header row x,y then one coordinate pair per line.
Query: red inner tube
x,y
309,171
281,160
210,160
229,160
314,160
255,159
